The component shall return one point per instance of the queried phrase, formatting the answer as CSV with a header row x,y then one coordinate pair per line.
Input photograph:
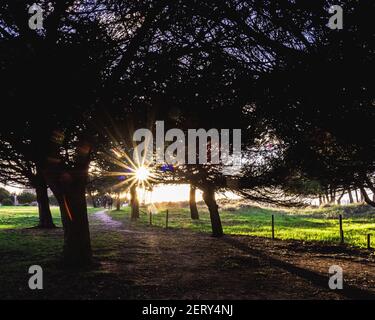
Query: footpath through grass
x,y
308,225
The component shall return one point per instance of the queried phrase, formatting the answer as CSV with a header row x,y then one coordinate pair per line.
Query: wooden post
x,y
273,227
150,213
341,230
369,241
166,219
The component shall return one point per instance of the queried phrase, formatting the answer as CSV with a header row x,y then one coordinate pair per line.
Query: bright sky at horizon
x,y
161,193
175,193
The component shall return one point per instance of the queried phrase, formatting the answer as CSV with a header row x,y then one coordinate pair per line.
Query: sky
x,y
161,193
175,193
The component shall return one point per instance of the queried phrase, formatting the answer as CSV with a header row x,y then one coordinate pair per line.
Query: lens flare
x,y
142,173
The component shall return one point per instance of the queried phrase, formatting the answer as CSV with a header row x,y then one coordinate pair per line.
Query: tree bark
x,y
340,197
333,196
45,216
327,196
193,204
73,208
364,195
209,199
118,202
356,195
68,183
69,188
134,203
370,185
367,198
351,200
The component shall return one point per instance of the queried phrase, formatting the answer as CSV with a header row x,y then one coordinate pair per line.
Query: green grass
x,y
24,217
15,221
22,246
309,224
319,224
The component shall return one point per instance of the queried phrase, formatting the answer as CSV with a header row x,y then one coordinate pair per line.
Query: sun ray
x,y
138,170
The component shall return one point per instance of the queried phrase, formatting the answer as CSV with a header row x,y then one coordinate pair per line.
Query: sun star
x,y
142,173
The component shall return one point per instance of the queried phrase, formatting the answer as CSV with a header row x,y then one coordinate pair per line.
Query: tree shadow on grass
x,y
21,222
317,279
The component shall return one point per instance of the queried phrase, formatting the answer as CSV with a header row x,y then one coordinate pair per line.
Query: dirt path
x,y
153,263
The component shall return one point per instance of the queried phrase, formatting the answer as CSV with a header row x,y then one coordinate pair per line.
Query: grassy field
x,y
319,224
22,246
26,217
28,245
308,224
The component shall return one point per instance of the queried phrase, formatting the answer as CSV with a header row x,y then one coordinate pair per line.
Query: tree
x,y
134,203
4,195
7,202
192,203
208,83
326,104
98,62
61,62
26,197
17,171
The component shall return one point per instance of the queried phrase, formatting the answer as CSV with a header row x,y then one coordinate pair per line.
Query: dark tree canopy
x,y
100,69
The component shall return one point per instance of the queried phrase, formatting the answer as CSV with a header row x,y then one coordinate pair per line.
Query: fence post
x,y
341,230
150,213
166,219
369,241
273,227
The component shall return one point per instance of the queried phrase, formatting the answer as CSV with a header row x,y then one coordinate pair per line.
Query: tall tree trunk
x,y
356,195
351,200
364,195
45,216
209,199
330,195
134,203
193,204
333,196
327,196
93,199
68,183
340,197
69,188
367,198
118,202
73,208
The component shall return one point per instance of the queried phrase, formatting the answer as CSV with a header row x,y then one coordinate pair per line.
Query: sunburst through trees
x,y
137,172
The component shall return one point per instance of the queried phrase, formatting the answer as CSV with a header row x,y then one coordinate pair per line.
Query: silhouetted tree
x,y
192,203
17,171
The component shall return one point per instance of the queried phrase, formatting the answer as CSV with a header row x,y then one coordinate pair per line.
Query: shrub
x,y
26,197
4,194
7,202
